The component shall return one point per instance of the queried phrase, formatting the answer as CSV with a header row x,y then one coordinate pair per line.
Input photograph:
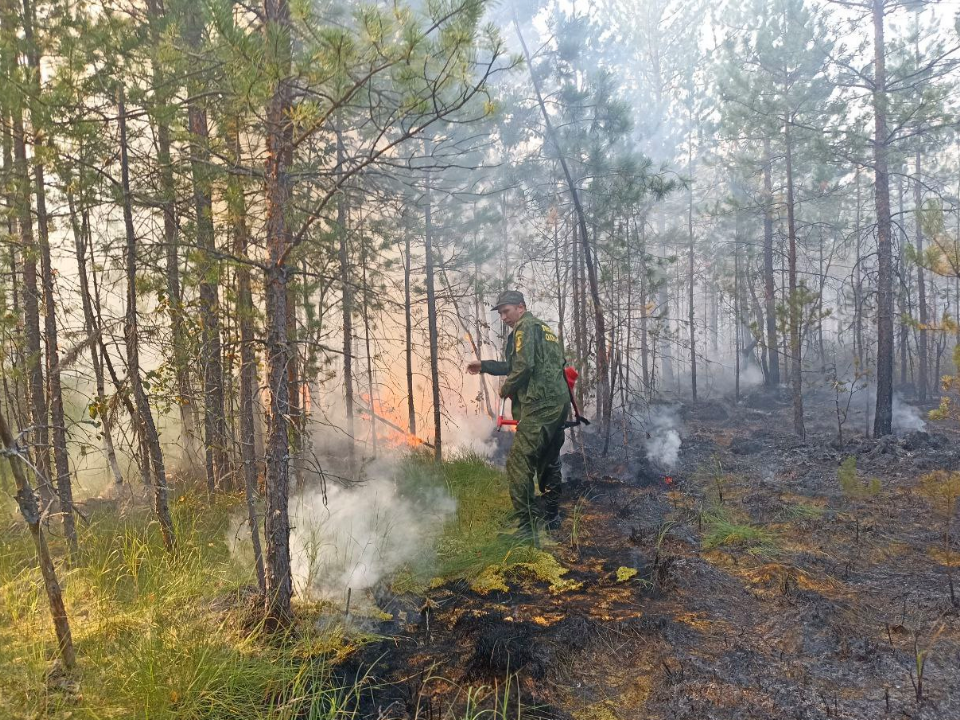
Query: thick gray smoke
x,y
362,534
663,436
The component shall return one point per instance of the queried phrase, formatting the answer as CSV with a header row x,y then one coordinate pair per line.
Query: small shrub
x,y
850,483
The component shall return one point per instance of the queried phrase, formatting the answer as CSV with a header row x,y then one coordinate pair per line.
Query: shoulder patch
x,y
548,334
518,340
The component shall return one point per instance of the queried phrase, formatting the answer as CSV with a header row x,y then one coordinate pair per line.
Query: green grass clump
x,y
803,511
474,544
721,529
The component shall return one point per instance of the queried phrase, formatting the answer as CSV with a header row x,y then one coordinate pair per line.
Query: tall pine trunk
x,y
346,305
408,334
883,418
214,421
237,210
433,325
31,314
279,145
57,419
796,309
769,290
923,375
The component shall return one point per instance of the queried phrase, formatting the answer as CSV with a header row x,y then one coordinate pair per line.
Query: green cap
x,y
509,297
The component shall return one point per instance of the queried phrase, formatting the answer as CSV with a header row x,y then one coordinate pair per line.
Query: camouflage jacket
x,y
533,366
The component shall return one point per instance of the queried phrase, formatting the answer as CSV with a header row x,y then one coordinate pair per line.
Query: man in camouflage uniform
x,y
540,397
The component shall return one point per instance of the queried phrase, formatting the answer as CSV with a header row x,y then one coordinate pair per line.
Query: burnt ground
x,y
783,599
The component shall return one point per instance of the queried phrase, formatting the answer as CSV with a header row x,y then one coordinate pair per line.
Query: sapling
x,y
943,489
854,489
842,388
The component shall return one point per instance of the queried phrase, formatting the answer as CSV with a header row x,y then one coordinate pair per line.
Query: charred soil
x,y
748,582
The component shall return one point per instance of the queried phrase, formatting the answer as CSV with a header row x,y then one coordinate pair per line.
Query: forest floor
x,y
749,582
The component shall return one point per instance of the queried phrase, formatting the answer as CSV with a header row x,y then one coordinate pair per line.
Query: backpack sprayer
x,y
570,375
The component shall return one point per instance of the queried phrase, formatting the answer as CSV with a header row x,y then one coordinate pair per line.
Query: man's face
x,y
511,313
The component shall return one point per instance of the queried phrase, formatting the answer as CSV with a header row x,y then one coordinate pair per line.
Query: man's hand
x,y
473,367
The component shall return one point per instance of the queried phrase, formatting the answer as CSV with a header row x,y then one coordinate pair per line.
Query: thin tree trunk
x,y
58,428
31,315
769,291
736,317
366,338
27,501
346,305
883,418
796,367
644,337
408,335
923,381
150,435
690,282
171,239
433,326
904,294
214,422
279,144
237,209
858,286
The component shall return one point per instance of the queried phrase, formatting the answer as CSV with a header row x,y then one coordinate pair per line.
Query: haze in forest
x,y
247,252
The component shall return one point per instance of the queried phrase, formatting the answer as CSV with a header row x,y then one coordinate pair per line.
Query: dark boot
x,y
551,509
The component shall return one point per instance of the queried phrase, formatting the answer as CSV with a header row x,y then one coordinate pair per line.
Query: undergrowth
x,y
164,637
722,528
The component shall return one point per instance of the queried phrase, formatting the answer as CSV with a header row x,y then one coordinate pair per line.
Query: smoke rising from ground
x,y
663,436
362,533
906,418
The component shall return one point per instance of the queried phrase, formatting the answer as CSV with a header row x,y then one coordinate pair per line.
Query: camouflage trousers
x,y
536,453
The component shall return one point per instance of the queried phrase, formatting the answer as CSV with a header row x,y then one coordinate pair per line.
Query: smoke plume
x,y
663,437
906,418
362,533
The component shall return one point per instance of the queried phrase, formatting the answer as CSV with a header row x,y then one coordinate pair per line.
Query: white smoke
x,y
663,437
906,418
361,535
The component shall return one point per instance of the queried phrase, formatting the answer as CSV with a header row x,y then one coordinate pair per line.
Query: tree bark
x,y
365,310
690,282
58,429
923,375
408,335
346,305
237,209
279,129
171,239
769,291
644,333
433,325
883,418
31,314
796,366
214,422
